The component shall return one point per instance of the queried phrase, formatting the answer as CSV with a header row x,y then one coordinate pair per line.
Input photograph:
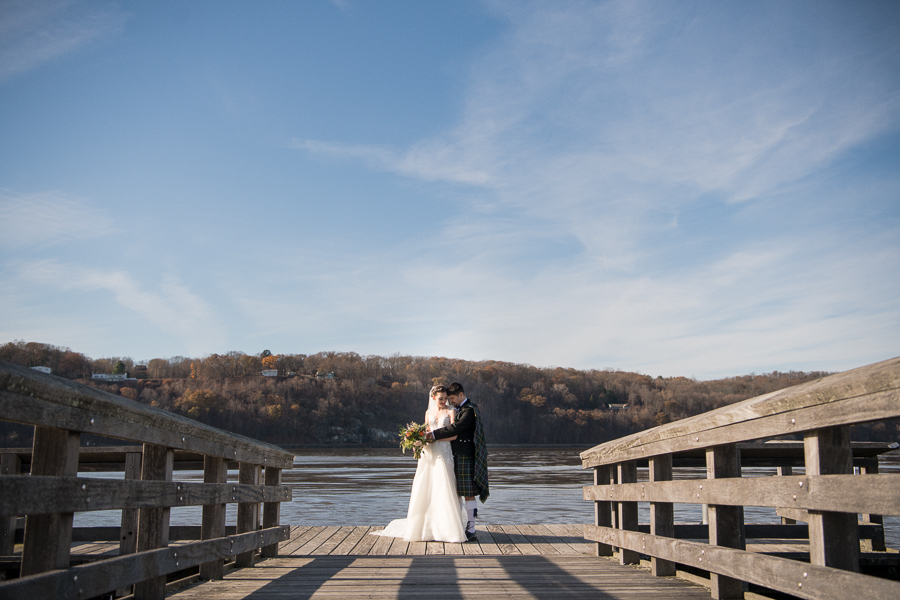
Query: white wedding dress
x,y
436,512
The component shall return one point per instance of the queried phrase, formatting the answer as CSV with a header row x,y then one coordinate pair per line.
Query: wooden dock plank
x,y
294,544
317,540
538,540
398,547
503,541
331,543
520,540
555,540
572,536
486,541
366,542
351,541
381,546
436,577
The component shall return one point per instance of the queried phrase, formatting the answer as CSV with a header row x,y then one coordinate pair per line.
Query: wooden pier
x,y
819,550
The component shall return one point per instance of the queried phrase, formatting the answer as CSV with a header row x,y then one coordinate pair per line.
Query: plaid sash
x,y
481,467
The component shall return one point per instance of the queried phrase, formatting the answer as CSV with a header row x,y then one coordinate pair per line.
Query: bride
x,y
435,510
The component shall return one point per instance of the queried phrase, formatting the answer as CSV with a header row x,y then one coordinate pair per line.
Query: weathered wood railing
x,y
828,496
61,411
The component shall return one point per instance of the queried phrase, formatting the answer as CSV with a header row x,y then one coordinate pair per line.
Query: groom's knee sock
x,y
470,510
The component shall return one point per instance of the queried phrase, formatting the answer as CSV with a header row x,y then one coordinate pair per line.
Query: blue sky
x,y
692,188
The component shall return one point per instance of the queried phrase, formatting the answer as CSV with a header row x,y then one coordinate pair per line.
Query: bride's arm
x,y
452,419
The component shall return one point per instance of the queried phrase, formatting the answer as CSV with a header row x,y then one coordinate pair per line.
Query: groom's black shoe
x,y
471,536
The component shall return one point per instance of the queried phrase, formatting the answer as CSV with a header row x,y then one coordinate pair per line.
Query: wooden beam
x,y
784,575
840,493
30,495
726,522
833,536
128,534
271,510
603,509
10,464
48,537
662,514
213,519
101,577
628,513
153,523
874,543
35,398
786,471
247,513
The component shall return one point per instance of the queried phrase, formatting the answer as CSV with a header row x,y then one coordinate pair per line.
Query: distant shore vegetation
x,y
345,398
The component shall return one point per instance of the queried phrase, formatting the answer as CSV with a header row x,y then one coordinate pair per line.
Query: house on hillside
x,y
108,377
617,407
269,373
324,375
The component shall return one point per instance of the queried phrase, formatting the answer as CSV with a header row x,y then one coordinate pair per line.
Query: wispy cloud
x,y
34,33
49,218
173,308
591,127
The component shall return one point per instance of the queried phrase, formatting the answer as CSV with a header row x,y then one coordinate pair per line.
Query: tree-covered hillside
x,y
371,396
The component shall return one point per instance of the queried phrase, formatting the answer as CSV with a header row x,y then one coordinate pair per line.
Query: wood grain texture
x,y
838,493
94,579
35,398
213,516
833,536
780,574
37,495
10,465
48,537
272,509
247,512
437,577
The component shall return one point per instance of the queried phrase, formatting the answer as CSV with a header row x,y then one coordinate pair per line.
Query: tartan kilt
x,y
464,466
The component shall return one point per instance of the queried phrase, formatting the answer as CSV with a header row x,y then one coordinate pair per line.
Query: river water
x,y
371,486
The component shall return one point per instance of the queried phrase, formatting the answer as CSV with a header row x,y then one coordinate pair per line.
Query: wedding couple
x,y
451,473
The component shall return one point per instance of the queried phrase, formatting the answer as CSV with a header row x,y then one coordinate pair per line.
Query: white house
x,y
108,377
269,373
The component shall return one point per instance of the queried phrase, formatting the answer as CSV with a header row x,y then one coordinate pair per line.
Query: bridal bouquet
x,y
412,437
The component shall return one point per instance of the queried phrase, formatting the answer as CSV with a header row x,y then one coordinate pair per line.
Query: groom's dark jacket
x,y
464,428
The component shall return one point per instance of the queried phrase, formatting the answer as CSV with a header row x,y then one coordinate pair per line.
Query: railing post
x,y
215,470
628,512
128,533
271,512
875,544
784,472
153,523
10,464
48,538
726,523
247,513
833,536
603,510
662,514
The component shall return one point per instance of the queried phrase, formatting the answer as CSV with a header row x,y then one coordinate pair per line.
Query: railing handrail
x,y
860,395
828,495
61,410
33,398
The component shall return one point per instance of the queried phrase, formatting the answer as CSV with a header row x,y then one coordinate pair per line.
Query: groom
x,y
469,453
